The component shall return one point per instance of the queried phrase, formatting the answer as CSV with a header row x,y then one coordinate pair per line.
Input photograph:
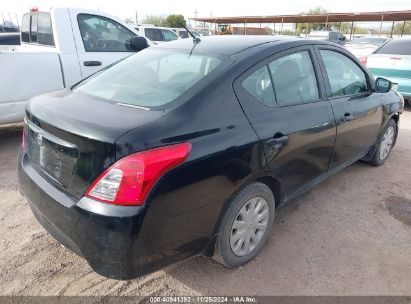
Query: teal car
x,y
393,61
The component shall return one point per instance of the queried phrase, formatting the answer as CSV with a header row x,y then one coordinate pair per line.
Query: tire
x,y
381,153
231,252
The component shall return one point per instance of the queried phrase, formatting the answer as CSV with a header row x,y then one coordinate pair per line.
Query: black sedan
x,y
188,148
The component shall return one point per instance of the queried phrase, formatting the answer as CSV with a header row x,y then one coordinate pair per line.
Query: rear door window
x,y
396,47
169,35
101,34
259,85
154,34
344,75
294,79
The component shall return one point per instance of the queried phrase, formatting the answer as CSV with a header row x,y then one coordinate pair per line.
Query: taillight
x,y
129,180
363,60
23,141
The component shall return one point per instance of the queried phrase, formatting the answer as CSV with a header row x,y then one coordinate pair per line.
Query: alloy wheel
x,y
387,142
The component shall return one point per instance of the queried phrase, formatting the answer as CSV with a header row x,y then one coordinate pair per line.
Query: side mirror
x,y
382,85
138,43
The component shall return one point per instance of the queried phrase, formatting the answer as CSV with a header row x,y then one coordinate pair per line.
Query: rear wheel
x,y
385,144
246,225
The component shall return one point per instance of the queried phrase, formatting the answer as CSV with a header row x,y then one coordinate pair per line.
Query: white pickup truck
x,y
58,49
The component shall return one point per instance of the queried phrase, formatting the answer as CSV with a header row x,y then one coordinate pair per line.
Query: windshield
x,y
153,77
376,41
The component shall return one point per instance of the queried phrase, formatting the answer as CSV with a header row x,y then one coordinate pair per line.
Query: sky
x,y
204,8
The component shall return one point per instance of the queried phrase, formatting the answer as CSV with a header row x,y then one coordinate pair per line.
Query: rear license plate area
x,y
51,156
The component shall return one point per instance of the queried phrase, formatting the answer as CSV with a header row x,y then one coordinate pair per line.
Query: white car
x,y
184,34
332,36
58,49
393,61
365,45
156,34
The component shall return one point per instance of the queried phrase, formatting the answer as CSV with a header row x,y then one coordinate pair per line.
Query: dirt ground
x,y
349,236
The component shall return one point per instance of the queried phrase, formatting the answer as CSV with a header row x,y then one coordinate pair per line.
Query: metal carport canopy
x,y
331,17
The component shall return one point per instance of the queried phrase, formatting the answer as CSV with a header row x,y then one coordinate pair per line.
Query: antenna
x,y
195,39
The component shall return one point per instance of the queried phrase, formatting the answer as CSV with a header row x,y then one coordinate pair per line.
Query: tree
x,y
128,20
399,26
268,30
175,21
316,26
156,20
345,27
288,32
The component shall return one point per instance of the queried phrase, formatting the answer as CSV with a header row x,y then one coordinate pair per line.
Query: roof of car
x,y
226,44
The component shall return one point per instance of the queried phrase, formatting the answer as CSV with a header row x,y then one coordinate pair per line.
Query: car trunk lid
x,y
390,65
70,137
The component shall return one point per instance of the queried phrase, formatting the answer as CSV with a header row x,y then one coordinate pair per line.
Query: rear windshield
x,y
37,28
396,47
365,40
153,34
154,77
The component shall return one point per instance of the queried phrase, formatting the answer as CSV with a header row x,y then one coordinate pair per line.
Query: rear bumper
x,y
106,236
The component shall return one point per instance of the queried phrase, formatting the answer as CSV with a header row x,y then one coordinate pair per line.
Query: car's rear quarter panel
x,y
185,207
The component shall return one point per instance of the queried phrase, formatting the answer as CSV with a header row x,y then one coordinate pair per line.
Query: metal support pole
x,y
392,28
282,24
352,27
382,20
403,28
339,28
274,29
326,24
296,32
245,28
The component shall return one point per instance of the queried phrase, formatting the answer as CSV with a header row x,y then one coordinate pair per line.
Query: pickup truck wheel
x,y
385,144
245,226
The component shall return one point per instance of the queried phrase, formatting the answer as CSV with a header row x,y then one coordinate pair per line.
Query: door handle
x,y
277,142
347,117
92,63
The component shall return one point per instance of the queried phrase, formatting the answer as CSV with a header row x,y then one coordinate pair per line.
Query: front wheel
x,y
385,144
245,226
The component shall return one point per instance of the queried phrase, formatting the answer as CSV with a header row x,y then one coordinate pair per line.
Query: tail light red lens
x,y
129,180
363,60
